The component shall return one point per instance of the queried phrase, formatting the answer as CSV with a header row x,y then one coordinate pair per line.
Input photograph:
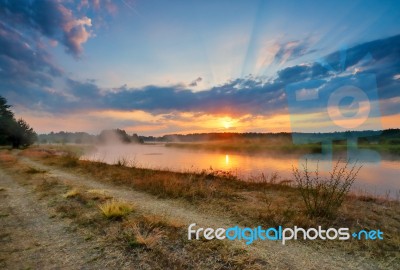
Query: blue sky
x,y
167,42
154,66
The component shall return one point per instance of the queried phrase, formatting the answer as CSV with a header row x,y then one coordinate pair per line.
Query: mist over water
x,y
376,178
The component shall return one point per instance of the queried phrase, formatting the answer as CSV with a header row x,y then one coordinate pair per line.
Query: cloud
x,y
105,6
291,50
252,95
52,19
196,81
76,34
29,75
27,71
30,79
225,99
302,72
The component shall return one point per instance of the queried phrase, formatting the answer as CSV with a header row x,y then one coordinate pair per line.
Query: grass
x,y
140,240
32,170
72,193
157,241
142,233
250,146
284,146
393,149
4,215
99,194
6,157
114,209
269,202
46,185
70,160
125,162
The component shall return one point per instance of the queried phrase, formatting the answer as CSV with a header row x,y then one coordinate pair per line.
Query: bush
x,y
323,196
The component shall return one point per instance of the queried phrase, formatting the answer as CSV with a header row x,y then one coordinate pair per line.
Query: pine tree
x,y
6,121
15,132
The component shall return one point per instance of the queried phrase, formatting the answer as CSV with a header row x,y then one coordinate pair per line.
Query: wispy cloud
x,y
291,50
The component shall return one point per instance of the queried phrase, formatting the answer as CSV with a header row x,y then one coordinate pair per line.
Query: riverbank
x,y
262,146
166,202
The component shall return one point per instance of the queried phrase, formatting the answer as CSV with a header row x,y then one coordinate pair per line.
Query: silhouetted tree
x,y
22,134
136,139
67,137
6,121
15,132
114,136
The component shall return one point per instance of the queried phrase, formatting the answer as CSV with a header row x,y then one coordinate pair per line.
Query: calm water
x,y
375,178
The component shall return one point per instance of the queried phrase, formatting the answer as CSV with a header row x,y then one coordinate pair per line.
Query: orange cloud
x,y
154,124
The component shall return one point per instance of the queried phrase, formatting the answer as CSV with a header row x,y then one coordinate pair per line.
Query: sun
x,y
227,122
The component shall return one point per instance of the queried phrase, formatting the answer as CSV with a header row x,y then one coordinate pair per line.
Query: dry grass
x,y
34,152
165,184
139,233
70,160
99,194
122,162
6,157
266,203
46,185
114,209
72,193
32,170
163,221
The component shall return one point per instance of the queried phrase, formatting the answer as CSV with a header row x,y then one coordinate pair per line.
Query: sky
x,y
161,67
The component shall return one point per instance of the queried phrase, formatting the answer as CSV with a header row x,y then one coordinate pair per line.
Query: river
x,y
376,178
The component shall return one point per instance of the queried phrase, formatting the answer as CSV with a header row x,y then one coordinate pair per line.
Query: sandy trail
x,y
291,256
30,238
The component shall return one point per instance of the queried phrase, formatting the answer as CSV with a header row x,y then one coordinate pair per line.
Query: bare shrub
x,y
323,196
122,161
125,162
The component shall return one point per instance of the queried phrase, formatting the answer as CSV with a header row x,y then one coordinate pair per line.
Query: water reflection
x,y
373,177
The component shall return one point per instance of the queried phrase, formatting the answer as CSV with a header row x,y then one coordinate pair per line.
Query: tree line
x,y
14,132
388,136
105,137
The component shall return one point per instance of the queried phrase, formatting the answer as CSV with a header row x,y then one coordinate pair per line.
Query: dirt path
x,y
30,238
292,256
